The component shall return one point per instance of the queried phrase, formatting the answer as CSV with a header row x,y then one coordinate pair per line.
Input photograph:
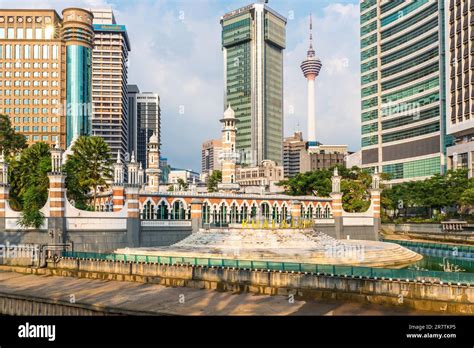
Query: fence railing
x,y
334,270
438,249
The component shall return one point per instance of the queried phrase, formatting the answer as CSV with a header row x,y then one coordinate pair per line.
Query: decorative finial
x,y
119,160
56,145
133,157
336,173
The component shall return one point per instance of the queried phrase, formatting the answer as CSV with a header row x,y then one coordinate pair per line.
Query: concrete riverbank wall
x,y
420,295
431,232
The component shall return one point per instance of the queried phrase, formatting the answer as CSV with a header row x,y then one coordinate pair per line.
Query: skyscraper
x,y
78,35
253,39
402,88
109,81
132,92
459,86
311,67
148,123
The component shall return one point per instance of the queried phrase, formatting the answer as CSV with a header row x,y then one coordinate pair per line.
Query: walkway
x,y
157,299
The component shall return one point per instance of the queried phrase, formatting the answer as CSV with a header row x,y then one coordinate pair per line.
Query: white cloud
x,y
176,51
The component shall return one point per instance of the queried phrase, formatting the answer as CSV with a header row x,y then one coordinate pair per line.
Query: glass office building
x,y
253,39
402,88
78,35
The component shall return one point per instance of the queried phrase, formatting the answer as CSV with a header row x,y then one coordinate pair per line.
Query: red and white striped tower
x,y
57,196
311,67
4,190
118,189
375,194
336,196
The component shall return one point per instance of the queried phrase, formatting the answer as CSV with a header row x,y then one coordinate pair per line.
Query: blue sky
x,y
176,52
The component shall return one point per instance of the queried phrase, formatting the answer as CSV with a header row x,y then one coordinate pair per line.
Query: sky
x,y
176,52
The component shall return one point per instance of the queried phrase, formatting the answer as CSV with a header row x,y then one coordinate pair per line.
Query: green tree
x,y
92,164
214,179
29,182
77,192
10,141
182,185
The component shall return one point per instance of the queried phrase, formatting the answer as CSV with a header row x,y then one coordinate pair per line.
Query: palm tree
x,y
29,183
93,163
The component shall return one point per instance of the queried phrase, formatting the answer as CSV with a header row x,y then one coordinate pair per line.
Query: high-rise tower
x,y
403,88
253,40
78,34
109,81
311,67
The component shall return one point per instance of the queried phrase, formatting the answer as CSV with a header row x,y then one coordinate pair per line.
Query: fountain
x,y
283,245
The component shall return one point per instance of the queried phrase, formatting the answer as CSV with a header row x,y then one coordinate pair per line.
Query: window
x,y
17,51
10,33
27,51
44,138
2,33
29,33
36,54
39,33
55,52
45,52
8,51
19,33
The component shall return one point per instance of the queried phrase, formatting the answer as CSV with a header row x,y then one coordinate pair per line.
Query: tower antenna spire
x,y
310,31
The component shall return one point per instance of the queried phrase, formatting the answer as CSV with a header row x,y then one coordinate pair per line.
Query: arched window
x,y
310,212
178,212
222,213
327,212
265,210
206,210
233,213
275,215
163,211
244,212
284,213
319,213
253,211
148,210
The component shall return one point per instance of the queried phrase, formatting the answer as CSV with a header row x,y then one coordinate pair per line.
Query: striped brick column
x,y
375,199
337,213
133,215
4,196
133,204
196,214
118,197
57,194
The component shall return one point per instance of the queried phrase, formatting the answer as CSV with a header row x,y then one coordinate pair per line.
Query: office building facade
x,y
402,88
293,147
109,82
253,40
78,35
460,84
148,123
32,79
210,151
132,92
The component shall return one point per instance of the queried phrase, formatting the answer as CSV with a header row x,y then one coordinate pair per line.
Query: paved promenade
x,y
156,299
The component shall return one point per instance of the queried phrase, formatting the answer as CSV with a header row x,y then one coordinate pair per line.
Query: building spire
x,y
311,52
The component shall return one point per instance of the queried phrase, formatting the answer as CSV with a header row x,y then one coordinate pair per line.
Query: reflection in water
x,y
435,263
